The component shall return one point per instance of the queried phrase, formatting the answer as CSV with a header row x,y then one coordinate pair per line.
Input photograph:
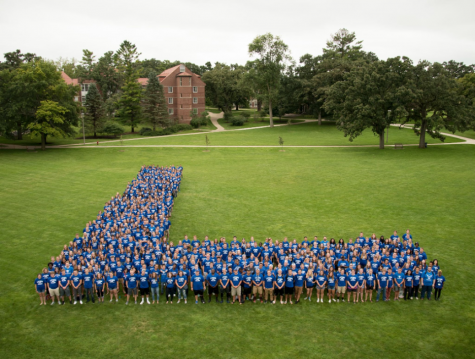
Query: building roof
x,y
169,71
143,80
68,79
184,74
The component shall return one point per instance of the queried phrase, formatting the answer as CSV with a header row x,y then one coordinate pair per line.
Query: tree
x,y
154,104
94,115
370,97
128,105
14,59
87,64
128,56
435,102
106,75
458,69
49,117
113,129
272,55
23,89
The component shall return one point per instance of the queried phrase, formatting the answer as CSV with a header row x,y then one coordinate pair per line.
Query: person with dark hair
x,y
197,286
155,287
40,288
427,283
438,284
213,285
144,286
170,289
309,284
279,282
408,285
289,286
99,287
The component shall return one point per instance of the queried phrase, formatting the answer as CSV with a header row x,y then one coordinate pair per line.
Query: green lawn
x,y
48,196
256,123
308,134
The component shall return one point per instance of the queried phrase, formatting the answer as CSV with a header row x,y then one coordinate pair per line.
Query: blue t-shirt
x,y
399,278
236,279
320,279
383,280
269,281
53,282
310,282
171,282
341,279
213,279
299,279
361,278
280,281
197,281
40,284
370,279
258,278
225,280
409,280
181,281
331,282
143,280
132,281
100,283
247,280
352,280
154,282
64,280
289,281
428,278
112,282
439,281
88,280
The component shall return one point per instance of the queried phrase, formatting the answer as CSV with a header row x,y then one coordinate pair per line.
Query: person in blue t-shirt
x,y
170,288
352,284
299,282
88,279
41,289
144,286
382,284
438,284
398,283
289,286
417,282
408,285
361,277
320,282
370,280
279,288
427,279
155,287
180,281
269,286
64,286
76,281
331,281
197,286
99,286
131,280
53,287
225,285
112,286
257,285
236,281
341,285
246,286
309,284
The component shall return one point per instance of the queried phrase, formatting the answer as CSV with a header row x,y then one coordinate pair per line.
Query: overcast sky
x,y
211,30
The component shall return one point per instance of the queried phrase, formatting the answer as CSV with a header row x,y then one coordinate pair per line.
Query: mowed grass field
x,y
307,134
46,197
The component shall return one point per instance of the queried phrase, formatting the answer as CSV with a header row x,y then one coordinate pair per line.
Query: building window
x,y
195,111
170,89
195,99
195,89
182,68
170,100
85,87
181,81
170,111
76,98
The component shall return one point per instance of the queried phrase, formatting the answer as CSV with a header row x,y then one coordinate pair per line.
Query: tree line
x,y
350,85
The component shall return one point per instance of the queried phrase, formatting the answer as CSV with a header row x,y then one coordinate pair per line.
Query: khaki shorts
x,y
236,291
257,290
298,290
341,290
53,292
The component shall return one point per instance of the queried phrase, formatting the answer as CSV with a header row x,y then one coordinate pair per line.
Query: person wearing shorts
x,y
390,283
320,281
64,290
99,286
213,284
398,283
269,285
352,285
197,286
299,282
41,289
309,284
361,277
236,281
131,280
112,286
144,286
181,281
370,280
331,287
257,284
341,285
53,287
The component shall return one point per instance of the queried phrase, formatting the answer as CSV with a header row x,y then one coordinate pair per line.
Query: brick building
x,y
184,91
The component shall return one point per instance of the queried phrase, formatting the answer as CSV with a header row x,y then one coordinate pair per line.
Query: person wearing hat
x,y
236,281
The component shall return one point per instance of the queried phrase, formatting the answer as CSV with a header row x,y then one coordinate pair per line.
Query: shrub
x,y
195,122
238,121
246,115
112,128
153,133
227,116
144,130
183,127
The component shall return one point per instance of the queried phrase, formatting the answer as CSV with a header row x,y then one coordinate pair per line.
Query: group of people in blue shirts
x,y
127,250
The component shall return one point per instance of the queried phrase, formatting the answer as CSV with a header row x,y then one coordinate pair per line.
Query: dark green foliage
x,y
144,130
112,128
228,116
95,114
195,122
238,120
154,105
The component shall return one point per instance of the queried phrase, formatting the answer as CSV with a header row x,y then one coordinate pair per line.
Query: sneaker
x,y
52,303
110,300
135,302
416,298
75,302
329,300
334,299
63,302
338,300
342,300
273,302
309,299
126,303
80,301
141,302
196,302
148,301
178,301
291,302
185,301
265,302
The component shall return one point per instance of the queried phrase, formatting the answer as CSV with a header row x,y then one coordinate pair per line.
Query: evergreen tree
x,y
128,105
154,106
94,115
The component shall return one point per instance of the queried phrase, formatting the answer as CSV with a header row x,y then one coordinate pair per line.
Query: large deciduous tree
x,y
94,115
50,117
272,57
155,109
370,96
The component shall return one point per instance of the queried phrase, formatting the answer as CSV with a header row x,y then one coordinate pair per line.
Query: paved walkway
x,y
214,119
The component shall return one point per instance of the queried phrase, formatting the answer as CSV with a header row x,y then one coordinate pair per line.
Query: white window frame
x,y
170,100
170,111
170,89
182,68
195,111
195,99
195,89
